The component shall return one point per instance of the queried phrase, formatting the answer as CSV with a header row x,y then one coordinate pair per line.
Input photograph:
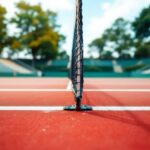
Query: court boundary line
x,y
69,90
61,108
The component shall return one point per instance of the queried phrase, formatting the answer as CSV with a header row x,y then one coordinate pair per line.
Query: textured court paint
x,y
36,98
75,130
116,98
115,83
67,98
60,108
38,83
90,83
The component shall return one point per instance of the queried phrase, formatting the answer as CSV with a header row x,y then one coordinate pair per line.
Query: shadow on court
x,y
127,117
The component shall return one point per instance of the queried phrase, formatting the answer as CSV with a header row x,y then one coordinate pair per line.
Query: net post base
x,y
78,108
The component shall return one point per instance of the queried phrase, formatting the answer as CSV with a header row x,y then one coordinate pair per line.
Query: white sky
x,y
98,15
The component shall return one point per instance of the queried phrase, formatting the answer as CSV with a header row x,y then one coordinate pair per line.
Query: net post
x,y
78,106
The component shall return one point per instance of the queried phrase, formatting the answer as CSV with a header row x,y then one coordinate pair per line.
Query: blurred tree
x,y
118,38
99,44
107,55
14,45
143,51
3,28
37,31
120,35
63,55
141,26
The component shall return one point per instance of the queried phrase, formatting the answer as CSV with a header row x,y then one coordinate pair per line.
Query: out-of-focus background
x,y
36,38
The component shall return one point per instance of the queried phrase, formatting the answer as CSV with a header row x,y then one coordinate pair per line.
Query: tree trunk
x,y
33,58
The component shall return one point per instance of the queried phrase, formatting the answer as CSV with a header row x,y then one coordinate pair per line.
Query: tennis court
x,y
76,112
32,115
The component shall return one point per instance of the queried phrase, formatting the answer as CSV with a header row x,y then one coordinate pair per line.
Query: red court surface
x,y
93,130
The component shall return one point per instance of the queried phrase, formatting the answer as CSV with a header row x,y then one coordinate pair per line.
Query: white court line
x,y
68,90
60,108
121,108
69,86
34,90
117,90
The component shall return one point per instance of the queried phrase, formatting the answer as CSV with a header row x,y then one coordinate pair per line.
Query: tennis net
x,y
76,65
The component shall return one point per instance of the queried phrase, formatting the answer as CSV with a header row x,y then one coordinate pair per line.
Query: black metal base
x,y
79,108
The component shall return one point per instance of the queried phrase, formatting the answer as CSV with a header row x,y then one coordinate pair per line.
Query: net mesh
x,y
76,68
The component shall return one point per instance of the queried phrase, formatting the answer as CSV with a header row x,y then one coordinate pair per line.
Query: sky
x,y
97,15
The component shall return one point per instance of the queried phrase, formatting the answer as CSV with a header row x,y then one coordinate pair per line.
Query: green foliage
x,y
107,55
143,49
142,24
124,36
37,30
99,43
141,27
120,35
117,38
63,55
3,28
